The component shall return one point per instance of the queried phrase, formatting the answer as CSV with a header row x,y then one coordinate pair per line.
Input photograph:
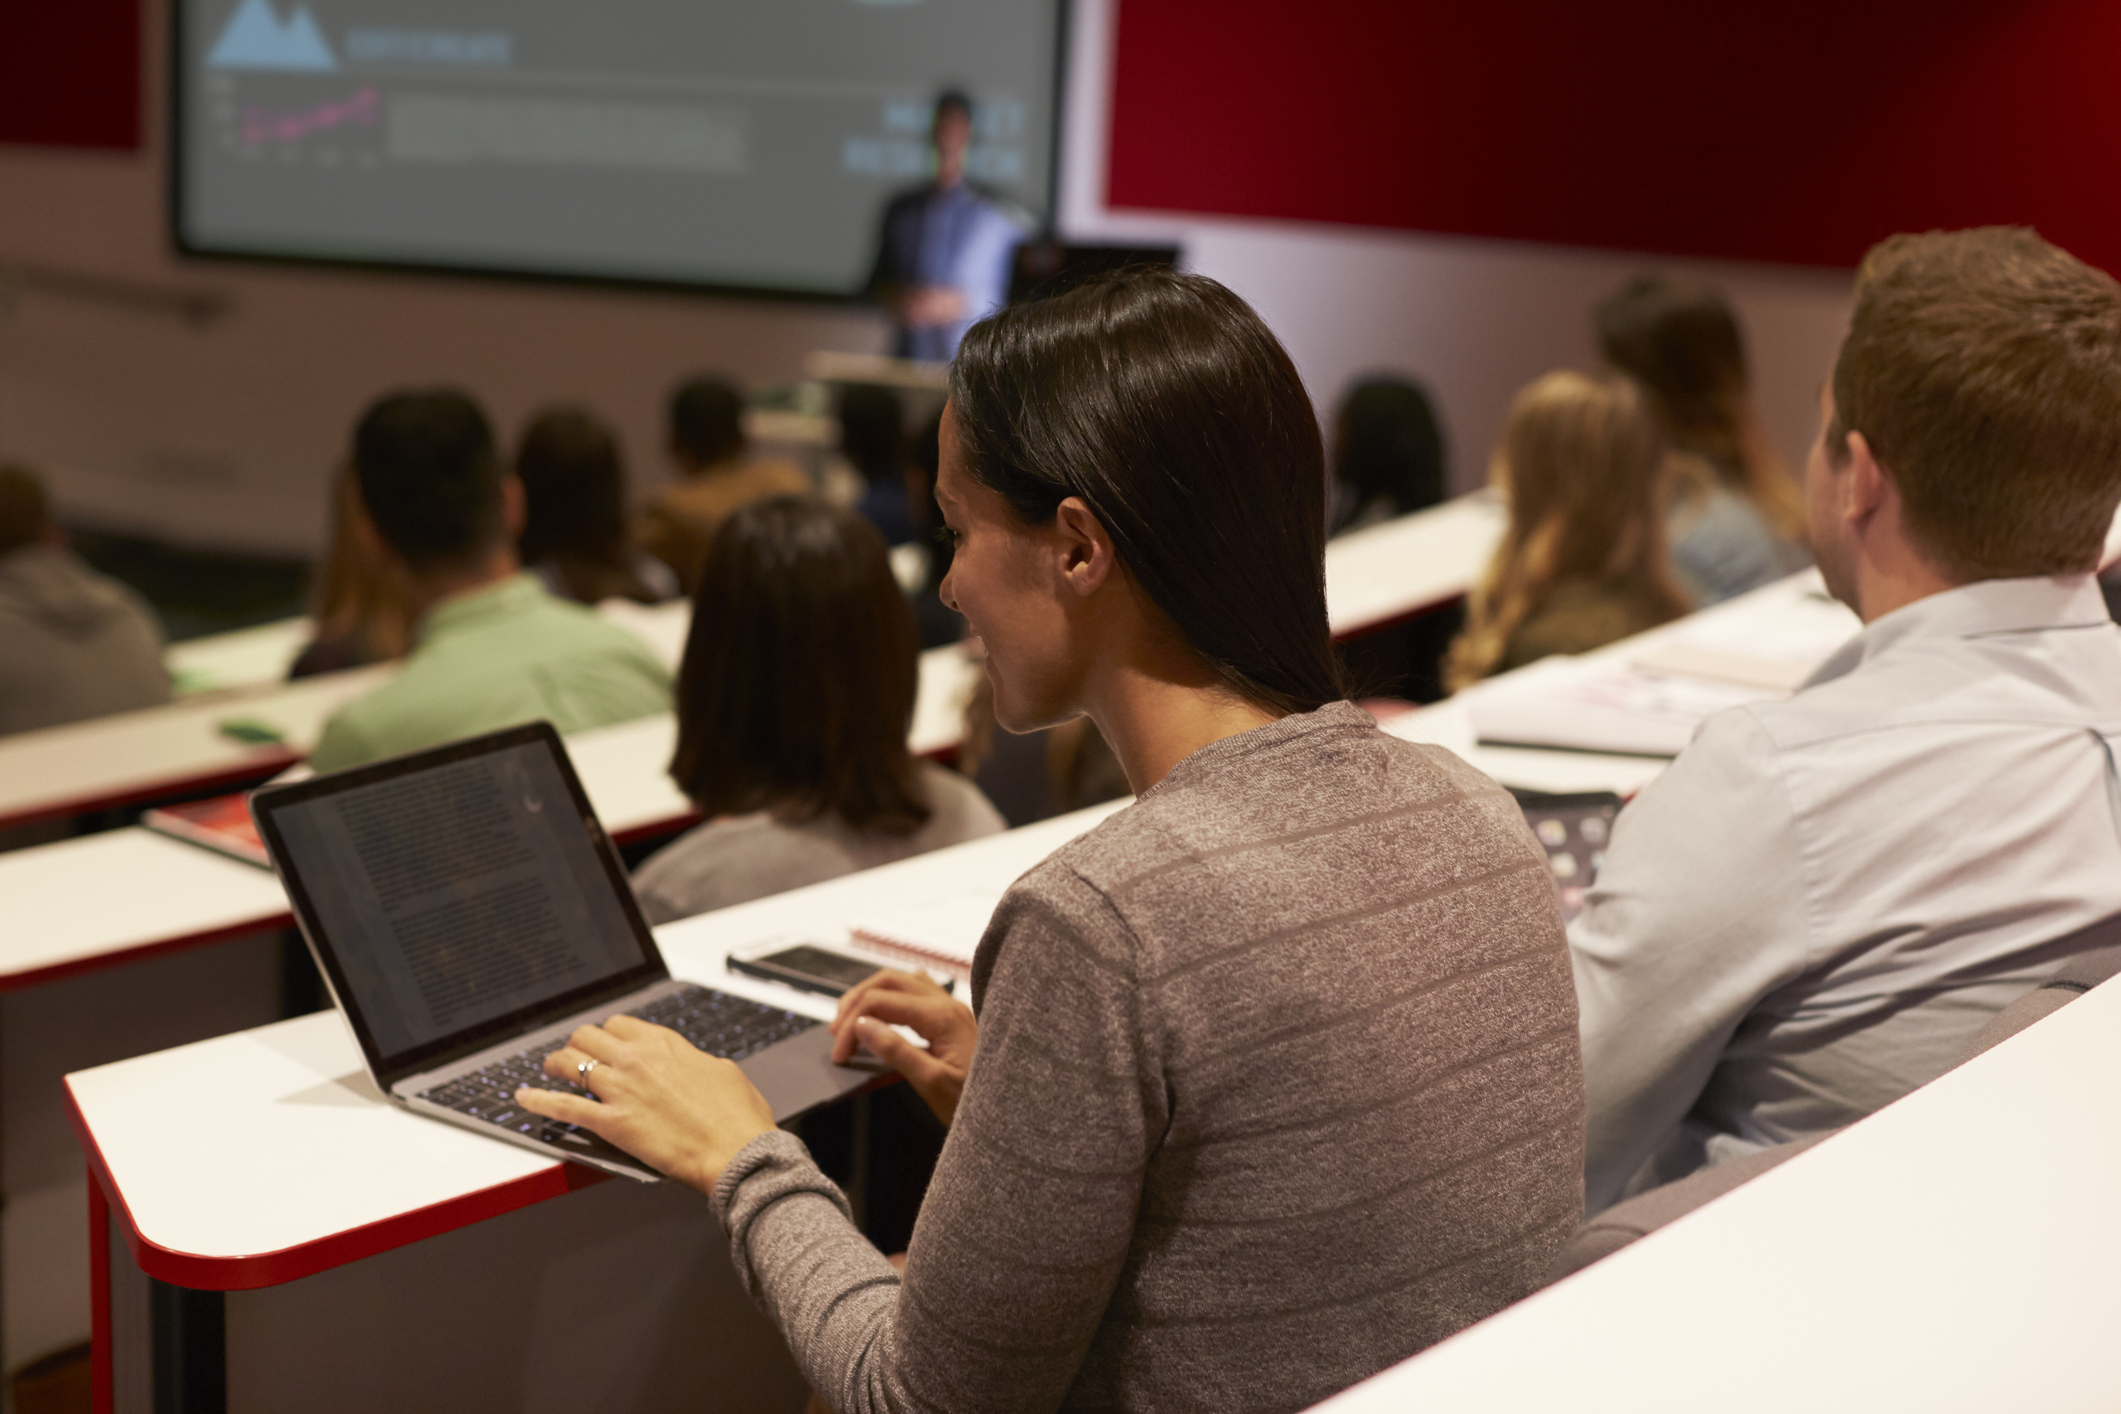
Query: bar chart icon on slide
x,y
257,38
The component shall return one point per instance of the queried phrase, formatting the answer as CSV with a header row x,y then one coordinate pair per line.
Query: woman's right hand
x,y
890,998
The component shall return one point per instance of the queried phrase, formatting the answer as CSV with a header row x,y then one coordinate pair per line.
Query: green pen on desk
x,y
252,732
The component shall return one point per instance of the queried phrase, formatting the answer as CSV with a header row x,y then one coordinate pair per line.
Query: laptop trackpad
x,y
798,1074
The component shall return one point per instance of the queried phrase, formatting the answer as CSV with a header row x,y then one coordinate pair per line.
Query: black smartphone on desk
x,y
807,966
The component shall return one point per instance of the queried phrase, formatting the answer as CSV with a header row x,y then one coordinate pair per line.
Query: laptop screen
x,y
457,894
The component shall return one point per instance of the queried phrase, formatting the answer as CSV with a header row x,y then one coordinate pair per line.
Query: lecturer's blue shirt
x,y
952,236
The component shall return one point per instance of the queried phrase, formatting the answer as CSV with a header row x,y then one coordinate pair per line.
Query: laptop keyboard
x,y
718,1023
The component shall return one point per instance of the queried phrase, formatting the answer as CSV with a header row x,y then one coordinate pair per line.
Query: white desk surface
x,y
165,750
1787,613
1955,1251
832,366
103,898
623,769
258,1157
1417,562
1445,724
244,657
1374,575
71,905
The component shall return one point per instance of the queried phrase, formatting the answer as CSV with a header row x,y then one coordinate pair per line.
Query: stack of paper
x,y
1577,704
1648,697
1772,641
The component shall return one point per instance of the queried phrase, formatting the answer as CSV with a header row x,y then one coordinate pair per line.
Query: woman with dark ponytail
x,y
1277,1076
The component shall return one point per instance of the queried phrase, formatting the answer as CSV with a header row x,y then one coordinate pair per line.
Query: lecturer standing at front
x,y
944,254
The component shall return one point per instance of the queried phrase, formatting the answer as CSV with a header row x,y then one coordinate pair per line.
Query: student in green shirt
x,y
492,648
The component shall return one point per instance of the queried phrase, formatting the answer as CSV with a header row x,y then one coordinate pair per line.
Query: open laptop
x,y
469,913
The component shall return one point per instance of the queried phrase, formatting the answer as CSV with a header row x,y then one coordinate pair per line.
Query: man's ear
x,y
1866,485
1087,557
512,512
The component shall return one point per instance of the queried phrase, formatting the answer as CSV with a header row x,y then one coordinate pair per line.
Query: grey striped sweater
x,y
1277,1084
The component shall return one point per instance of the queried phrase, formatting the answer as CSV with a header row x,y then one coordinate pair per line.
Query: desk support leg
x,y
101,1399
858,1177
190,1349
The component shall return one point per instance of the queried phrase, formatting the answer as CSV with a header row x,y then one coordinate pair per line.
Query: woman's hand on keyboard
x,y
889,998
663,1100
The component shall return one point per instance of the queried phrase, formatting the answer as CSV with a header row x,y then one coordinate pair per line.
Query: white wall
x,y
226,436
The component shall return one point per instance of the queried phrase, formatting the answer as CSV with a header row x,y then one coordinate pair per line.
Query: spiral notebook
x,y
941,934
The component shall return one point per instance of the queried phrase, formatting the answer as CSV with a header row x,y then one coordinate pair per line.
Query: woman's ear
x,y
1087,555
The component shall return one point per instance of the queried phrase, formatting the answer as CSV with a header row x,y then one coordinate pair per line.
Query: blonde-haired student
x,y
1582,463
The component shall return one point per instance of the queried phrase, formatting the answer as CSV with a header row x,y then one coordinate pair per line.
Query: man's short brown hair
x,y
1984,369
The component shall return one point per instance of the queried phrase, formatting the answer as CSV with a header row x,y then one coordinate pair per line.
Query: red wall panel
x,y
1797,131
70,73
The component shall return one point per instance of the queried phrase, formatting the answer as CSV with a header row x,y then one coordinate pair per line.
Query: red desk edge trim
x,y
97,962
1398,617
269,761
261,1269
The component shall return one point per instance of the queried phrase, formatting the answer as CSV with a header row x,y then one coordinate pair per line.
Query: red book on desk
x,y
222,824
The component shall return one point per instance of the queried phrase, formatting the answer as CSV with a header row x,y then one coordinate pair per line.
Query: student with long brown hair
x,y
1276,1074
574,513
793,703
1736,517
361,612
1583,562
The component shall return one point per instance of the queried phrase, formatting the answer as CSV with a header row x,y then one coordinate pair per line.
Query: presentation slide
x,y
736,143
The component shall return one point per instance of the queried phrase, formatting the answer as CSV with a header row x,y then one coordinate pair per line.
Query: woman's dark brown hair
x,y
796,692
1166,404
1679,339
574,503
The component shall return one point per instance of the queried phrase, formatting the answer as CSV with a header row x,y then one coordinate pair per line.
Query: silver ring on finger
x,y
581,1073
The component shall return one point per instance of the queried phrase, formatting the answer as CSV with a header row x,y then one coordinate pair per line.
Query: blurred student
x,y
794,700
1033,776
873,440
1736,520
716,475
1583,560
939,624
361,611
73,643
491,649
1243,1110
574,514
1823,899
1387,455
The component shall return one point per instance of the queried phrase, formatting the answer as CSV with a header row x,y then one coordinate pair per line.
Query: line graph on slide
x,y
262,125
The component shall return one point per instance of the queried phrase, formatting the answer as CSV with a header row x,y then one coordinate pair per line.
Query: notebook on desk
x,y
468,913
941,934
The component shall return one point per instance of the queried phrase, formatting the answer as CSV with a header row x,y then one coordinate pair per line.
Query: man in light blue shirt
x,y
946,249
1814,910
493,649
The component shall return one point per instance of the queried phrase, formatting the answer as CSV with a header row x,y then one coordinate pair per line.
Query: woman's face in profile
x,y
1002,581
